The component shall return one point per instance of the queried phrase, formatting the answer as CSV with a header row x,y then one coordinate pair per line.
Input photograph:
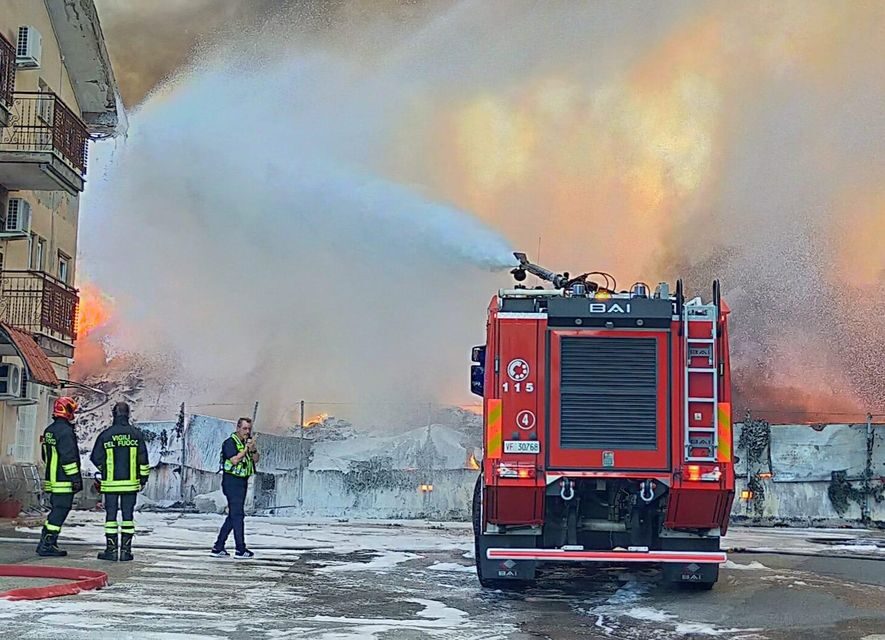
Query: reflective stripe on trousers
x,y
57,487
61,504
122,502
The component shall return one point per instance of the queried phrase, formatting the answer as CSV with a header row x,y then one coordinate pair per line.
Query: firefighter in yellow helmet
x,y
120,455
61,457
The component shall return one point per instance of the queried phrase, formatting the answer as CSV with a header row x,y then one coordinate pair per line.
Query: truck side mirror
x,y
478,354
477,380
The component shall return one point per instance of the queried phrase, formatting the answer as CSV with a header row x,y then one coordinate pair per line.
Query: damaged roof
x,y
37,365
78,31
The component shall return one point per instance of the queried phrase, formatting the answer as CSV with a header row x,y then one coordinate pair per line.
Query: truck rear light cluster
x,y
697,472
516,470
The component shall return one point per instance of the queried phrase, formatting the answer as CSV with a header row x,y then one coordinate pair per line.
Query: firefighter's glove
x,y
77,484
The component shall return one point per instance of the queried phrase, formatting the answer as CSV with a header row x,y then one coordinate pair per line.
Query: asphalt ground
x,y
335,580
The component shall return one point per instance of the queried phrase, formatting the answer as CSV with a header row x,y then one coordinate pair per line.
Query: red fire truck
x,y
607,428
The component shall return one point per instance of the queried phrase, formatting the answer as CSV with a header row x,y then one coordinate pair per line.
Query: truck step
x,y
561,555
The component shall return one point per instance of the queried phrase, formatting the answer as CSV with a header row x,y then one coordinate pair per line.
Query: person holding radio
x,y
239,456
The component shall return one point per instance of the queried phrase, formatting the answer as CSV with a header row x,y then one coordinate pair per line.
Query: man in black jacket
x,y
120,455
62,479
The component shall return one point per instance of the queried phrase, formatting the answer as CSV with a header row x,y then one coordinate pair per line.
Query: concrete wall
x,y
165,483
800,460
23,444
54,214
54,219
440,495
390,494
33,13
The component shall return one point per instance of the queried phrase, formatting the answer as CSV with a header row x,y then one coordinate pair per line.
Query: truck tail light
x,y
519,470
696,472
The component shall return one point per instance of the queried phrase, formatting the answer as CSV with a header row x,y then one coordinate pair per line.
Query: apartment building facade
x,y
57,92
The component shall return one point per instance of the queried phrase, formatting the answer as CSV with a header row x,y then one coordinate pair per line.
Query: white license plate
x,y
522,446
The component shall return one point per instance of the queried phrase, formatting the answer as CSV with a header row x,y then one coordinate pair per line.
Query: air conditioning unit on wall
x,y
18,219
29,48
30,395
10,381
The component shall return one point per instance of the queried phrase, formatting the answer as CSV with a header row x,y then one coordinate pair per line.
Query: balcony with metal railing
x,y
43,306
43,145
7,78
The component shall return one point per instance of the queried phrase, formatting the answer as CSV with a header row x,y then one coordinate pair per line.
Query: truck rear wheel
x,y
477,533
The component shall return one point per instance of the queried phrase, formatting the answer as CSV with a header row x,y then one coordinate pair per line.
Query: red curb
x,y
80,580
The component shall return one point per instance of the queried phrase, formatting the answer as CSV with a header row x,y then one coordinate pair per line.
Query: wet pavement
x,y
342,580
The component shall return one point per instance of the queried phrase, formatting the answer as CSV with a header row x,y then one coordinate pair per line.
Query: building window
x,y
38,253
64,267
25,431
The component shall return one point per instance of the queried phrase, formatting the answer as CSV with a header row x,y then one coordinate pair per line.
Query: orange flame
x,y
316,420
95,310
94,315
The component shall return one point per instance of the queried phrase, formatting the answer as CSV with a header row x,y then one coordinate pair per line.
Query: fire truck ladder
x,y
705,438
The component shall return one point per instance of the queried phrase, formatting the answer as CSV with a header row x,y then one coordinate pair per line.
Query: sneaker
x,y
245,554
219,553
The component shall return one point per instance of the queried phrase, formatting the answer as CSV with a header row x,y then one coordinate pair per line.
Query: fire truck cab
x,y
607,428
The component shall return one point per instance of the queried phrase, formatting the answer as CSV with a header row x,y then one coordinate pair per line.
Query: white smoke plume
x,y
286,213
244,229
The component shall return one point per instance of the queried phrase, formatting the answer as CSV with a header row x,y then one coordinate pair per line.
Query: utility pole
x,y
182,430
868,472
251,487
301,460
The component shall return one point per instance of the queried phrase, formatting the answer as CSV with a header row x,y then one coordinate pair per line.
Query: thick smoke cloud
x,y
150,41
245,217
245,232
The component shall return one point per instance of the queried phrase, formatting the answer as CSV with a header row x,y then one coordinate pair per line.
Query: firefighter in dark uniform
x,y
238,458
120,455
62,479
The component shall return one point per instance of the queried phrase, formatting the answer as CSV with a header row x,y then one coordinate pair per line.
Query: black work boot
x,y
49,546
42,542
111,550
125,547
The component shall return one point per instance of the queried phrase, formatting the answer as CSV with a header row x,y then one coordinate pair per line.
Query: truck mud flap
x,y
506,568
691,573
700,574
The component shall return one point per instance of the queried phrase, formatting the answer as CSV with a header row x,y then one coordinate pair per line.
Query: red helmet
x,y
64,408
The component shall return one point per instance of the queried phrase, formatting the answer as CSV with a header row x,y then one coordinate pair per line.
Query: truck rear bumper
x,y
561,555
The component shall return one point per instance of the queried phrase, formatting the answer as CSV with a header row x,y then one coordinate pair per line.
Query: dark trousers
x,y
124,502
235,491
60,506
